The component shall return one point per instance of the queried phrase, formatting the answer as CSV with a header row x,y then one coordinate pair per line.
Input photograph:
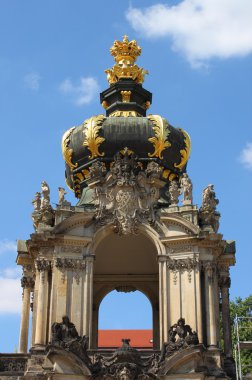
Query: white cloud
x,y
246,156
7,246
12,272
10,295
200,29
81,93
32,81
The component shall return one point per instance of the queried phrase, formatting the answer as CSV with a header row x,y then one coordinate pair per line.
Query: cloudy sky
x,y
52,60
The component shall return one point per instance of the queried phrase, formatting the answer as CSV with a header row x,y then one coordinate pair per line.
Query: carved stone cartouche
x,y
127,195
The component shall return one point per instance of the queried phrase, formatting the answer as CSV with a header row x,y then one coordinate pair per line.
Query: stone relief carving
x,y
128,194
187,188
182,265
208,216
125,288
74,265
43,211
12,364
71,249
126,363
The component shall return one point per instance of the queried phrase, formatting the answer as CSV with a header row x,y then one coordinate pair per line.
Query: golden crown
x,y
128,50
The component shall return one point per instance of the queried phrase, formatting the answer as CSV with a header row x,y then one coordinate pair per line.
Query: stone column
x,y
210,304
88,299
224,284
42,267
163,299
27,284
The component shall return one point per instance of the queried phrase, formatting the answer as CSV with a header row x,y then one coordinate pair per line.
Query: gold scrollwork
x,y
92,139
185,153
78,178
167,174
67,153
161,131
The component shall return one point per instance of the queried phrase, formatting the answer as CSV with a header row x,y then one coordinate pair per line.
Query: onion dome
x,y
126,128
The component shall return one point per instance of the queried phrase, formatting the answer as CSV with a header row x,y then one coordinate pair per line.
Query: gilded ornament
x,y
67,153
126,150
126,96
161,131
105,104
125,114
92,139
125,54
185,153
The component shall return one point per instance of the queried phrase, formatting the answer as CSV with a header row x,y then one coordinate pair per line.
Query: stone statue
x,y
209,199
45,194
180,336
43,213
174,192
37,201
208,216
65,335
62,193
187,187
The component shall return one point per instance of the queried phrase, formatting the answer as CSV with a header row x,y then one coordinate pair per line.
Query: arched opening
x,y
125,315
126,264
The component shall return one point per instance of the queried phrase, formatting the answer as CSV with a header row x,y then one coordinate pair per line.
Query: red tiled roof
x,y
113,338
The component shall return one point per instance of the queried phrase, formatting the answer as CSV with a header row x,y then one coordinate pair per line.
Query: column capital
x,y
224,281
42,265
27,282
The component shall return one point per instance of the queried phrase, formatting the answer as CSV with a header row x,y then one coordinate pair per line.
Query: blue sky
x,y
52,60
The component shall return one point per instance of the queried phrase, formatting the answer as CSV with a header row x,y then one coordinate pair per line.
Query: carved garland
x,y
182,265
75,265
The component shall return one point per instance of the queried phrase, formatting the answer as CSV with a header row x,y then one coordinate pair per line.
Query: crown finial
x,y
125,53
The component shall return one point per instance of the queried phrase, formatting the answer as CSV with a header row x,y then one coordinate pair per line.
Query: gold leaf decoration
x,y
185,153
92,139
67,153
161,131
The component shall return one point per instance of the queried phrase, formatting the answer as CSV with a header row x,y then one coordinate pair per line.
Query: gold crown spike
x,y
125,50
125,54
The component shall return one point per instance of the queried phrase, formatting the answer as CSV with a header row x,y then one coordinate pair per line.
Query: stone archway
x,y
125,263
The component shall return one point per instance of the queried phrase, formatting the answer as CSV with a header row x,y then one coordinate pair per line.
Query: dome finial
x,y
125,53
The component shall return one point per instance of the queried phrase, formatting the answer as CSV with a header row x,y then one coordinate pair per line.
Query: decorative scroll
x,y
185,153
161,131
92,139
67,153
